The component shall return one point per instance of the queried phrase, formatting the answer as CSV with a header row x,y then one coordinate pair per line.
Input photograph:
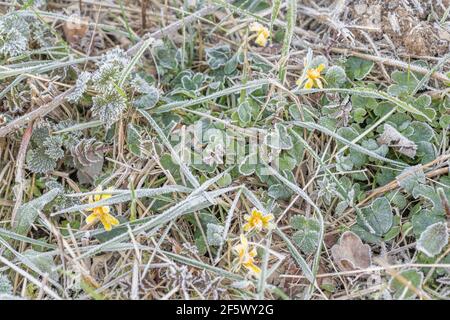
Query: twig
x,y
33,115
171,28
19,178
378,59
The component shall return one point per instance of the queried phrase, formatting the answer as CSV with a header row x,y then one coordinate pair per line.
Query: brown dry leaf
x,y
392,138
88,159
351,254
75,28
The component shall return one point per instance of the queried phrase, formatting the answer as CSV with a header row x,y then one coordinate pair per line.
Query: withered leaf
x,y
75,28
88,159
392,138
350,253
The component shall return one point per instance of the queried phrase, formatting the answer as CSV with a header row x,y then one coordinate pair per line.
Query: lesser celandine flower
x,y
101,213
314,79
245,256
257,220
262,33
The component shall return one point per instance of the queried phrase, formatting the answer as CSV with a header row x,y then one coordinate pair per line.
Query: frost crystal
x,y
214,234
111,103
5,285
110,68
80,87
108,107
14,33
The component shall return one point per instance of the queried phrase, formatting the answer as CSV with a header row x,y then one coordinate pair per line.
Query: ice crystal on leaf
x,y
108,107
14,33
80,87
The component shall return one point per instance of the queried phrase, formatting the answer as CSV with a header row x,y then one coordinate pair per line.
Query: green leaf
x,y
248,165
134,140
410,178
218,56
307,235
279,138
405,83
214,234
225,181
401,291
433,239
358,68
244,112
377,218
28,212
335,77
5,285
423,219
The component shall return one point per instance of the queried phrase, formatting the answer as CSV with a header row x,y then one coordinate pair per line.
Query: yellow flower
x,y
314,78
257,220
262,33
245,257
101,213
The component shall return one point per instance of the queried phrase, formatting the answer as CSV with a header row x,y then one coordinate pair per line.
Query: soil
x,y
411,25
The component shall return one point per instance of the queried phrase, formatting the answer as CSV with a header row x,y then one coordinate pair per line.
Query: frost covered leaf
x,y
392,138
14,33
278,138
134,140
39,162
429,193
217,56
214,234
421,131
109,71
423,219
405,83
44,263
410,178
5,285
433,239
335,77
307,235
80,87
28,212
377,218
88,159
413,278
350,253
244,112
358,68
149,94
248,165
109,107
53,147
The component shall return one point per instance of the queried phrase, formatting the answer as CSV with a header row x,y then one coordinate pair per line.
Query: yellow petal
x,y
247,227
253,268
112,220
320,67
309,84
106,223
261,40
267,218
105,209
319,83
244,242
91,218
247,217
